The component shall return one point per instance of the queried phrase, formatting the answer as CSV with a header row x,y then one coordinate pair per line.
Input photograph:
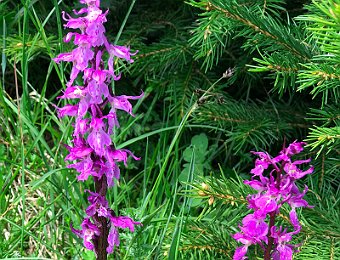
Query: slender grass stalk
x,y
177,135
23,190
119,33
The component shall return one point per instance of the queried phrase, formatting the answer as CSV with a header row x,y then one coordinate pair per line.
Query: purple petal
x,y
96,30
74,23
113,240
73,76
243,238
82,55
121,52
124,222
112,120
285,252
80,126
77,232
295,221
121,155
112,171
81,11
254,227
297,162
73,92
64,57
257,185
295,148
266,203
91,210
84,168
240,253
68,110
98,139
122,103
84,105
295,172
88,225
78,153
88,233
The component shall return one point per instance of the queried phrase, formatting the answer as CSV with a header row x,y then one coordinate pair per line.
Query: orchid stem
x,y
267,253
102,243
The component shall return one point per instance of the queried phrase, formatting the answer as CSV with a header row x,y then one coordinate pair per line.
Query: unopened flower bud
x,y
211,200
201,193
205,186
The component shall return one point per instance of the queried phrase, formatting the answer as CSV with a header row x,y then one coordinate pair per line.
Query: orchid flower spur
x,y
272,192
93,153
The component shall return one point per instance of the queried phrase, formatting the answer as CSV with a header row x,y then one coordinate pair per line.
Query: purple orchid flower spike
x,y
272,192
94,108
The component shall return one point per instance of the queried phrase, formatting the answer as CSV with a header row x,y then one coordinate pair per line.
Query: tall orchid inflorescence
x,y
93,152
274,191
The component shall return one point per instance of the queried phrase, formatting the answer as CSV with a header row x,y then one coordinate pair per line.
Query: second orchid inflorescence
x,y
273,191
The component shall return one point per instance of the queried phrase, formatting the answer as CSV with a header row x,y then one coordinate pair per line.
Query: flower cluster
x,y
92,152
273,191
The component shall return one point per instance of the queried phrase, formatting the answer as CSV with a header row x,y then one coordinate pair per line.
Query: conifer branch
x,y
256,27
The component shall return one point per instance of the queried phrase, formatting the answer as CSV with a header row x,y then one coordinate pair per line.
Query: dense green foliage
x,y
221,78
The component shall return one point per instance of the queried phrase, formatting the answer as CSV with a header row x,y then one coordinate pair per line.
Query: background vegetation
x,y
221,78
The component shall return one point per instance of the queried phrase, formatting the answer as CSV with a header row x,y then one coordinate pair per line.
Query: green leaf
x,y
200,142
